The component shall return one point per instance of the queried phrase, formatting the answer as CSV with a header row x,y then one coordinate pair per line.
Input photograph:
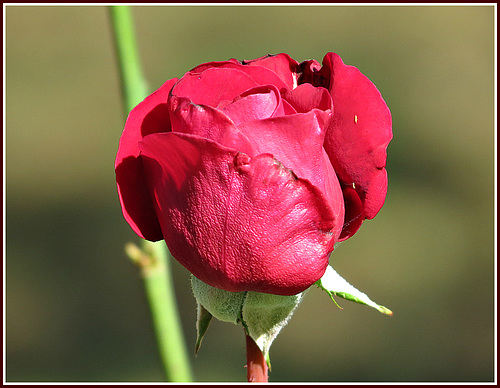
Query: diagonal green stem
x,y
134,88
153,258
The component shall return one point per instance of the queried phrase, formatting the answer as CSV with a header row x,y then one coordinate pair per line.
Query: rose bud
x,y
251,171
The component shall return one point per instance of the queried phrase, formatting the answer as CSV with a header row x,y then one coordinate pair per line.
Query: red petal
x,y
205,66
235,222
307,97
150,116
310,73
257,103
281,64
262,75
354,216
297,142
213,85
359,133
207,122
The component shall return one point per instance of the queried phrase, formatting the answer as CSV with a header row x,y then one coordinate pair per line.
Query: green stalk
x,y
153,258
134,88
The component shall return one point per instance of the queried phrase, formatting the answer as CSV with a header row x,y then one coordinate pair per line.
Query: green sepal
x,y
203,319
265,315
262,315
334,284
223,305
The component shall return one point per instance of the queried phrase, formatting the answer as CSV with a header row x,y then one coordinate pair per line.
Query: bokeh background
x,y
75,307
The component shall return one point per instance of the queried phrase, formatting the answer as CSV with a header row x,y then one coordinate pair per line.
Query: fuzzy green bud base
x,y
262,315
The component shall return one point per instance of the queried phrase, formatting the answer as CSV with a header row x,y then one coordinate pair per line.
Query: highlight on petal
x,y
297,142
235,222
360,130
281,64
149,116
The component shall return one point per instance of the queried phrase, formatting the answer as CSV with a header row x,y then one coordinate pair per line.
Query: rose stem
x,y
133,84
256,363
154,257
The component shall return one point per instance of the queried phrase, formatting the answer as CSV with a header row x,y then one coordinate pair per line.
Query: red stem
x,y
256,364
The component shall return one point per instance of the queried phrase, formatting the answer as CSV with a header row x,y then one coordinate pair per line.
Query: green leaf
x,y
334,284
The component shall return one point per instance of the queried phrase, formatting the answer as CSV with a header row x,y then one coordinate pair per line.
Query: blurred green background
x,y
75,307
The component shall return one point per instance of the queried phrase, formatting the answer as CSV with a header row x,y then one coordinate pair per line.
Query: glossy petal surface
x,y
297,142
236,222
252,170
281,64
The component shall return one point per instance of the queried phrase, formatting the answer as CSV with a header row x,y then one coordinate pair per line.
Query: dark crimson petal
x,y
235,222
359,133
258,103
213,85
354,216
310,73
306,97
207,122
150,116
281,64
147,117
297,142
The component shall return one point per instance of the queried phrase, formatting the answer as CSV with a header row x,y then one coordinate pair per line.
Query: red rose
x,y
252,171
